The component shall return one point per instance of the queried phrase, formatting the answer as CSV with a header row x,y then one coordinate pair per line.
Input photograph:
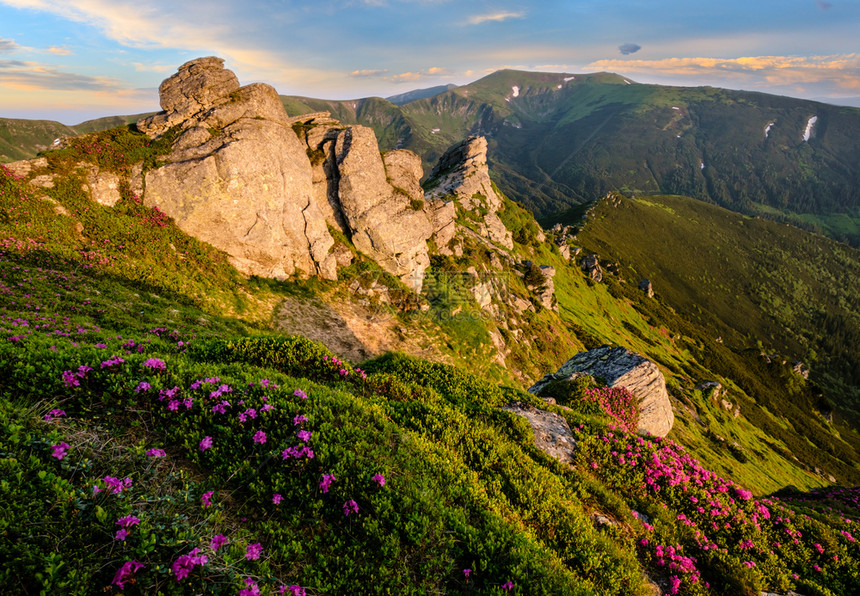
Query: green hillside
x,y
23,139
564,139
256,460
750,280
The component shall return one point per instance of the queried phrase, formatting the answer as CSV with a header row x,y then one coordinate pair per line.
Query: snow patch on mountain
x,y
767,128
808,132
566,79
516,91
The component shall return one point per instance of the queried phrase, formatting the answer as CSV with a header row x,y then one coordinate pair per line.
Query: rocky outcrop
x,y
551,431
620,367
539,281
801,369
244,179
462,176
237,177
712,389
383,220
591,266
375,200
198,86
646,286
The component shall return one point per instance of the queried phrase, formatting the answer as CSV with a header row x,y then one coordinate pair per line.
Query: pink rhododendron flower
x,y
54,414
205,443
350,507
123,574
155,364
379,479
253,551
277,498
156,453
183,566
250,588
60,450
304,435
326,481
115,485
128,521
218,540
260,437
206,498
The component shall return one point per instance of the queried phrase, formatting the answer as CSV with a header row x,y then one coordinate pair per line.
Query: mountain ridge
x,y
563,139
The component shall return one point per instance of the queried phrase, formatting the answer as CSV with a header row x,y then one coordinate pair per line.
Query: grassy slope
x,y
755,285
463,476
588,315
23,139
465,488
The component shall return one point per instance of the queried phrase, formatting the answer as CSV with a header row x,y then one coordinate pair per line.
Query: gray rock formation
x,y
620,367
375,200
713,389
382,221
591,266
547,296
544,288
198,85
801,369
645,286
240,178
462,175
237,177
551,431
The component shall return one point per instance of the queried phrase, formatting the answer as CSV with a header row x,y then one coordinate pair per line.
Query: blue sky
x,y
71,60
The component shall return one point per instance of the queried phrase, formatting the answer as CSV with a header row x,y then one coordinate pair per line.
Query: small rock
x,y
551,431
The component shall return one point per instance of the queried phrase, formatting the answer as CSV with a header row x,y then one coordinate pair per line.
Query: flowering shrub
x,y
618,403
466,503
725,532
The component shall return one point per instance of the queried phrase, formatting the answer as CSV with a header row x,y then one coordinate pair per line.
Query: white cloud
x,y
141,67
30,76
406,77
58,51
7,46
495,16
368,73
840,71
177,25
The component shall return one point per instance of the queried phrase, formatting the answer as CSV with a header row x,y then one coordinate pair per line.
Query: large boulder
x,y
619,367
238,177
197,86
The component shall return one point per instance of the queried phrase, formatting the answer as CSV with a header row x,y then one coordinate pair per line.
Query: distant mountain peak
x,y
416,94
